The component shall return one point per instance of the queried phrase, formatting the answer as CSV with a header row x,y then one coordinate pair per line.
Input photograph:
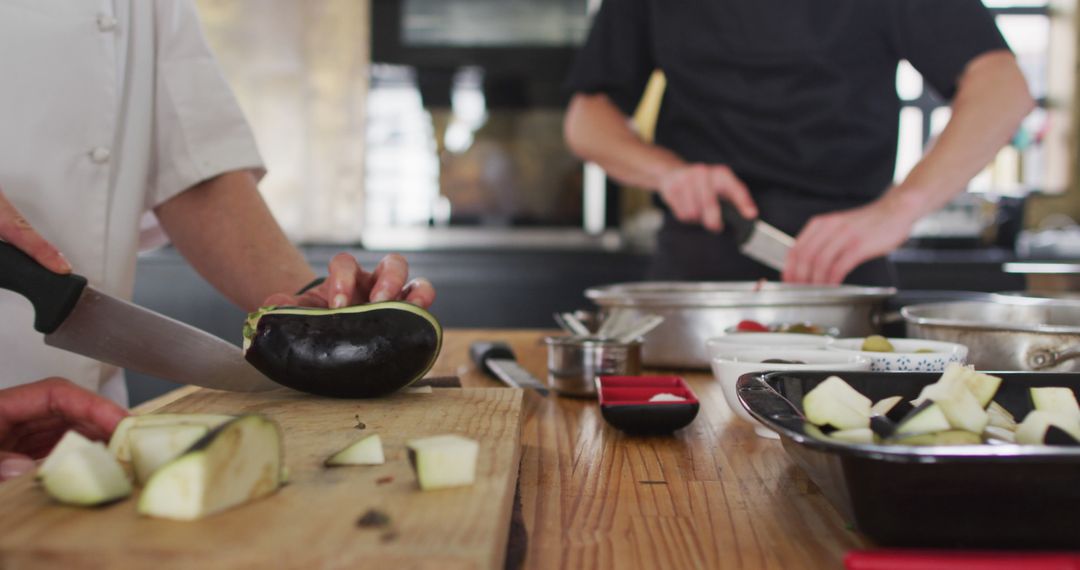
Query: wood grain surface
x,y
713,495
312,522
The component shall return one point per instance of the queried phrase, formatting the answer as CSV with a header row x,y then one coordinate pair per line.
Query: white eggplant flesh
x,y
444,461
238,462
86,476
927,418
1032,431
71,441
882,407
1000,417
1056,400
154,446
366,451
120,446
834,402
960,406
857,435
951,437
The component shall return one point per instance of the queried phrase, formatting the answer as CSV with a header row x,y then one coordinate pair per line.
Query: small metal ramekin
x,y
575,362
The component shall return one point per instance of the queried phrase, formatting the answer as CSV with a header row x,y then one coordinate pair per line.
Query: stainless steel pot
x,y
697,311
1008,333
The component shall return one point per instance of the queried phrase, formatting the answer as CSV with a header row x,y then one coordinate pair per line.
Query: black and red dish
x,y
626,402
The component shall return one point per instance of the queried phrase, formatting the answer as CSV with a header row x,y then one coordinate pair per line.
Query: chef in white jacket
x,y
115,120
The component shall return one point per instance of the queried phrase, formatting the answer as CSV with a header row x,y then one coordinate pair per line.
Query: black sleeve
x,y
617,57
940,37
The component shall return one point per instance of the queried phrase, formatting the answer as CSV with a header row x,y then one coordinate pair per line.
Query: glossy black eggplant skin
x,y
344,355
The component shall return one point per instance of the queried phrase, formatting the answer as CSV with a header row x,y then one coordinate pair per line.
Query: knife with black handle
x,y
498,360
76,317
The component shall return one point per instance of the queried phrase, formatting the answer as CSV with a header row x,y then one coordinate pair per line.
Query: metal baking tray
x,y
987,496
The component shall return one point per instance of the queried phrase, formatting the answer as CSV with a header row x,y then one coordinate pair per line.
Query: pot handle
x,y
882,318
1044,358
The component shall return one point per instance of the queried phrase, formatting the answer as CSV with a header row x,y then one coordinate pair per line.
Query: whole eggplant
x,y
362,351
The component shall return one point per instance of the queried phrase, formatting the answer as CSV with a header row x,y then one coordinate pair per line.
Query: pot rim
x,y
911,315
741,294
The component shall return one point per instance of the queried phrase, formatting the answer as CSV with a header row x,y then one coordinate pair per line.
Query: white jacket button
x,y
106,23
100,155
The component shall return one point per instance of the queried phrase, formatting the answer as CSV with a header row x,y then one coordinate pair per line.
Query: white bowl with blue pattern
x,y
909,355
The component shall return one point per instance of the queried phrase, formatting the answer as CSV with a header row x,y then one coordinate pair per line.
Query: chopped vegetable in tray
x,y
958,409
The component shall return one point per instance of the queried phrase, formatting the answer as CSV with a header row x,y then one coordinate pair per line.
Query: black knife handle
x,y
735,221
481,351
53,295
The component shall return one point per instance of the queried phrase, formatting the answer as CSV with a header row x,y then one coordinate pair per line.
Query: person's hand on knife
x,y
349,284
694,191
34,416
15,230
831,245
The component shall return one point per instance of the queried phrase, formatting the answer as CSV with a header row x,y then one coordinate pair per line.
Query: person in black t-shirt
x,y
788,110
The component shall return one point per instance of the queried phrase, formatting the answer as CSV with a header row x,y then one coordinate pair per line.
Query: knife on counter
x,y
757,239
498,360
78,318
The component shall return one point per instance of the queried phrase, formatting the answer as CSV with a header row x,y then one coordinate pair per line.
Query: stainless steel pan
x,y
697,311
1007,333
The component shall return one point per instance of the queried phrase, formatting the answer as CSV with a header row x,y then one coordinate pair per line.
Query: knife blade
x,y
757,239
498,360
78,318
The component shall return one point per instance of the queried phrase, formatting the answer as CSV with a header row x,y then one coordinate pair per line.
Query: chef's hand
x,y
33,417
693,192
832,245
348,284
15,230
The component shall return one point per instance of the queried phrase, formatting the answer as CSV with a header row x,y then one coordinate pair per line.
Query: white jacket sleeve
x,y
200,131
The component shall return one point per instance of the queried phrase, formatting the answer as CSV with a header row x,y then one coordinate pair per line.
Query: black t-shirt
x,y
794,95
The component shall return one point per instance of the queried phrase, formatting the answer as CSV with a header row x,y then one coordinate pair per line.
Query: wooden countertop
x,y
713,495
730,499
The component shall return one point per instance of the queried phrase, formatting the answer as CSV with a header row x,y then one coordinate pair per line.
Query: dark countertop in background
x,y
509,288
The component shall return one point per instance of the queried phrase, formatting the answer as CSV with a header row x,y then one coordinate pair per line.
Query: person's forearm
x,y
596,130
225,230
990,103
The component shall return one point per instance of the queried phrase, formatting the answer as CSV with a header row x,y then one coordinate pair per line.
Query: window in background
x,y
1021,167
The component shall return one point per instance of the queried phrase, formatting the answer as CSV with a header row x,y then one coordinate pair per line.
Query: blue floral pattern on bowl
x,y
901,361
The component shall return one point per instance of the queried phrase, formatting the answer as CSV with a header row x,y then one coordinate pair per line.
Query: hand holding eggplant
x,y
348,284
34,416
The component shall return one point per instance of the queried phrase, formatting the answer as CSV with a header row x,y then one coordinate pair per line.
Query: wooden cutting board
x,y
312,522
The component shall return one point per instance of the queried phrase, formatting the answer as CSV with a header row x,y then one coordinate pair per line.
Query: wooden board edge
x,y
498,561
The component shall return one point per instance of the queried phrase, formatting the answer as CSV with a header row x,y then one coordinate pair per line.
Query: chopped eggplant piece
x,y
237,462
984,386
960,406
882,407
120,445
1055,400
366,451
361,351
997,434
154,446
1033,430
882,426
443,461
1057,436
894,408
71,441
87,475
857,435
1000,417
834,402
927,417
951,437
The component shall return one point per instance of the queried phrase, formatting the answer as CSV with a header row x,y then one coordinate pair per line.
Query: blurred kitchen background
x,y
434,128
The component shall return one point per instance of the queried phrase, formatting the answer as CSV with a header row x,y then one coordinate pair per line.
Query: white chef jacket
x,y
107,109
